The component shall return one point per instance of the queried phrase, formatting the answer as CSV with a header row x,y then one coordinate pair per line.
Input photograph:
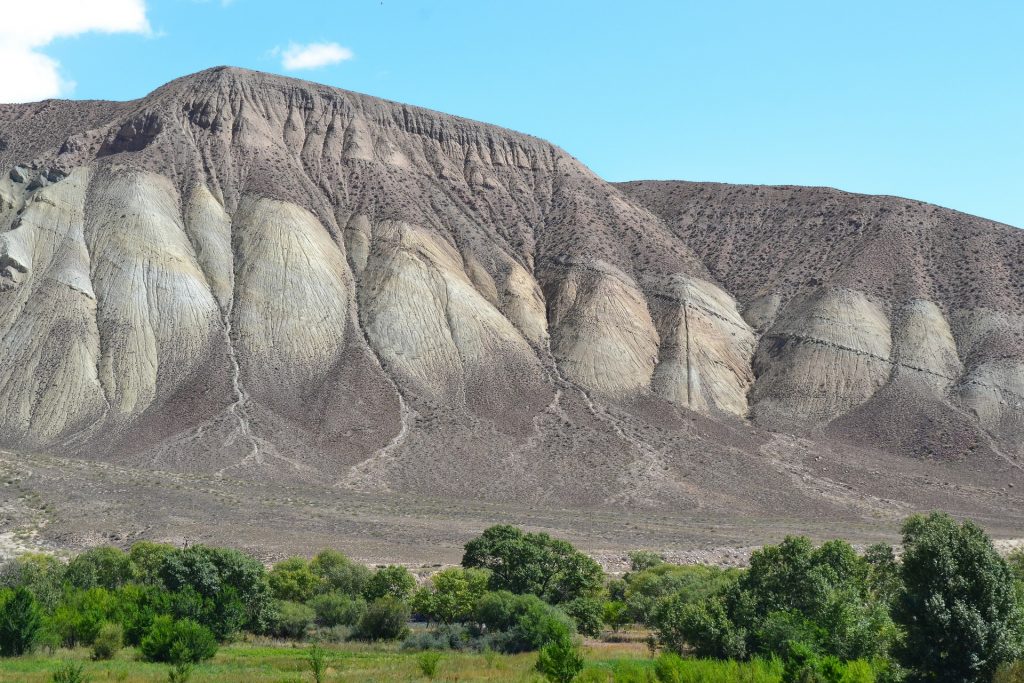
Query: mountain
x,y
243,277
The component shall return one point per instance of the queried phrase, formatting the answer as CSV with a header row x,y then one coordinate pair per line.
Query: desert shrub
x,y
443,637
338,573
291,620
177,641
428,661
384,619
108,568
391,581
560,660
640,560
958,605
451,596
337,609
587,613
20,621
108,642
293,580
533,563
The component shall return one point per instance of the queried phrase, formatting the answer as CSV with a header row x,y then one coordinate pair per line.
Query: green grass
x,y
266,662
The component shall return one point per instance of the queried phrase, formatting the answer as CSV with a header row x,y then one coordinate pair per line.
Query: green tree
x,y
146,560
106,567
391,581
958,605
20,621
452,595
533,563
293,579
338,573
228,579
337,609
42,574
587,613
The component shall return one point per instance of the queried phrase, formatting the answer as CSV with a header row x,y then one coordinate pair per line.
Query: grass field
x,y
275,663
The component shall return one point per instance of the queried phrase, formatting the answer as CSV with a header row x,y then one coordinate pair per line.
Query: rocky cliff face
x,y
242,275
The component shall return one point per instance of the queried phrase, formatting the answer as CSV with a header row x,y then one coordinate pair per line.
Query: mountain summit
x,y
248,277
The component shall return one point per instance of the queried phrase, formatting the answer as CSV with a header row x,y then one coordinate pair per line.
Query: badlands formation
x,y
248,283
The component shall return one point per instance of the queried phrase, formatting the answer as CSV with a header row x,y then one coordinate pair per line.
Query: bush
x,y
384,619
109,640
20,621
69,672
644,589
291,620
391,581
444,637
958,605
183,641
180,673
560,661
337,609
704,626
587,613
317,663
428,661
615,614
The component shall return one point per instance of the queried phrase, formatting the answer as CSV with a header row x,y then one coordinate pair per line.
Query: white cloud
x,y
27,27
313,55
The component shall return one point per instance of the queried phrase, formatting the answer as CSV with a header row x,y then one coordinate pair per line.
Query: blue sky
x,y
918,99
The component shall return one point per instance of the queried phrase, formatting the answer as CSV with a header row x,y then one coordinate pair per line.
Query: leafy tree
x,y
643,589
958,604
78,618
147,558
41,574
615,614
338,573
883,576
107,567
385,619
452,595
560,661
293,579
587,613
20,621
533,563
391,581
224,577
703,625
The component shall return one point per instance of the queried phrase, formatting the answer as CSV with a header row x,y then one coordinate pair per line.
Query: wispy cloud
x,y
28,73
312,55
